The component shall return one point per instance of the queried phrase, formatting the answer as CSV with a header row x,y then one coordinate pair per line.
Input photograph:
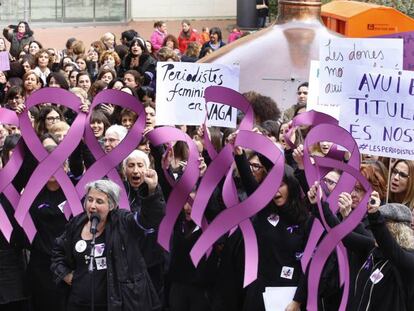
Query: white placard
x,y
336,54
313,89
278,298
378,111
180,93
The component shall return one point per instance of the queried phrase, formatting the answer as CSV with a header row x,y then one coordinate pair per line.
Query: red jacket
x,y
183,41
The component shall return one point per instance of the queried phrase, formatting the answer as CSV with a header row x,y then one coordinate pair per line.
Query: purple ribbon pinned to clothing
x,y
106,164
236,214
50,164
7,174
182,189
332,240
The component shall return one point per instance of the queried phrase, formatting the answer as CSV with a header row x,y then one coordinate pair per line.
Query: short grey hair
x,y
136,154
119,130
111,189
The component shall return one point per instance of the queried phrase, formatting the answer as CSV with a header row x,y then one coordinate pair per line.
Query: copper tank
x,y
275,60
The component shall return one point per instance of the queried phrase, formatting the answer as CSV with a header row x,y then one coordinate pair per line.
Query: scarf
x,y
20,36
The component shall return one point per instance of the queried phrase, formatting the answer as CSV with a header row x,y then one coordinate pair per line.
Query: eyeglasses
x,y
329,182
255,167
302,92
110,140
396,172
52,119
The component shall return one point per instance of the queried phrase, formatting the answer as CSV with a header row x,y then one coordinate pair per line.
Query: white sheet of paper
x,y
277,298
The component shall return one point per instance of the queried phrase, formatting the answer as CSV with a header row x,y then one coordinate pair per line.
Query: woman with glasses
x,y
48,116
401,186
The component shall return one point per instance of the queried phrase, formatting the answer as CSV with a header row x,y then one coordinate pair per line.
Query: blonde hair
x,y
402,233
59,126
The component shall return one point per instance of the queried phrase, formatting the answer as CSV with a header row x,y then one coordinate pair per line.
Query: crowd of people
x,y
131,271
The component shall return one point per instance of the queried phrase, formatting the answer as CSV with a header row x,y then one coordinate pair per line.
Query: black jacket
x,y
395,289
129,285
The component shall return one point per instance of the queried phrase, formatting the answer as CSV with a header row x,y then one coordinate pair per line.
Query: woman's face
x,y
26,67
34,48
325,146
109,41
282,194
185,27
43,60
214,38
145,147
81,64
51,118
284,128
21,28
53,82
163,28
129,81
84,82
2,45
330,180
170,44
31,83
257,168
136,49
15,101
107,77
92,54
150,117
127,121
97,128
72,78
134,171
97,202
149,46
357,194
399,178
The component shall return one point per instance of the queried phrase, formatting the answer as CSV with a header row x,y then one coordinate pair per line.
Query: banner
x,y
378,111
337,54
180,94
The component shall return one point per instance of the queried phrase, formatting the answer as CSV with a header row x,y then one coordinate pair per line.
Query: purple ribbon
x,y
332,240
7,174
182,189
50,164
236,214
105,164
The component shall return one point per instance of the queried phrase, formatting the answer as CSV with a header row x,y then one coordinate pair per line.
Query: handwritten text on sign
x,y
379,111
180,93
336,54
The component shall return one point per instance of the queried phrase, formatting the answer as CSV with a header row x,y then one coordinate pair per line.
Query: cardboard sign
x,y
4,61
337,54
180,94
378,111
408,37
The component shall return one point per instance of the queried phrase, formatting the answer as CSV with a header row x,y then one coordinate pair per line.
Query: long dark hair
x,y
28,32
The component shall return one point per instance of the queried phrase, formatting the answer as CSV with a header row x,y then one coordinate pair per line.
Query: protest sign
x,y
313,89
408,37
180,93
336,54
378,110
4,61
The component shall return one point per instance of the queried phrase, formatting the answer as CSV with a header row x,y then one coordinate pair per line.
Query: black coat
x,y
395,290
129,285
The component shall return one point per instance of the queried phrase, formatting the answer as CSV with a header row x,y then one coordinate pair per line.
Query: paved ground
x,y
56,35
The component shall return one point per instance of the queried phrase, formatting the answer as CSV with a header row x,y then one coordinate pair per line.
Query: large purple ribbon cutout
x,y
106,164
7,174
332,240
182,189
236,214
50,164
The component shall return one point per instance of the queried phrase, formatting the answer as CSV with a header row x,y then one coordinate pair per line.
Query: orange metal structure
x,y
359,19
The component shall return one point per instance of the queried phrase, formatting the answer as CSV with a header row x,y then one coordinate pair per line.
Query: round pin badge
x,y
80,246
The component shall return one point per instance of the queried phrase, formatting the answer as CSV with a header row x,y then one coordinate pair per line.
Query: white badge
x,y
273,219
80,246
376,276
287,272
99,249
100,263
61,206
